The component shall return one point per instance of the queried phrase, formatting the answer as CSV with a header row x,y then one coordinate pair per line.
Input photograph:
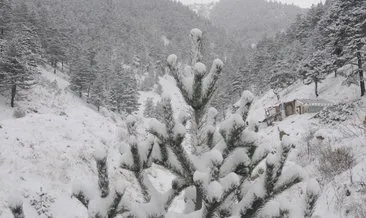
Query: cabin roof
x,y
311,102
314,101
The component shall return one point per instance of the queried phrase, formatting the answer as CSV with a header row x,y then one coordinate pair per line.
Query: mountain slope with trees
x,y
330,36
102,42
250,20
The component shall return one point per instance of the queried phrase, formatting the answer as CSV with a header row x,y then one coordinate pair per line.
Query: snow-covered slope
x,y
340,197
51,147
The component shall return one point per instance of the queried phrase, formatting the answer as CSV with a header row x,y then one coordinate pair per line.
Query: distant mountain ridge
x,y
202,9
250,20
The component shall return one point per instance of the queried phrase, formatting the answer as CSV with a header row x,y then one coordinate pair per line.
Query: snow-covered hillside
x,y
50,147
314,137
48,150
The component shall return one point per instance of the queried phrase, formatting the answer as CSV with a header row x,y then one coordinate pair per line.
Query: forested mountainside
x,y
249,20
111,49
97,120
329,36
104,44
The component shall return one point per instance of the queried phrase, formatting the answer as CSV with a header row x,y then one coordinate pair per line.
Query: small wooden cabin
x,y
297,106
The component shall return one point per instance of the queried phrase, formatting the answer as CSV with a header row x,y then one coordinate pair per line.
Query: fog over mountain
x,y
249,20
300,3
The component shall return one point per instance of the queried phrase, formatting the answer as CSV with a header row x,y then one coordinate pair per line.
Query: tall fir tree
x,y
124,94
348,31
314,70
224,173
16,74
5,18
149,108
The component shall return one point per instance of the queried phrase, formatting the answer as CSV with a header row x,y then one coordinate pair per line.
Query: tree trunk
x,y
2,33
199,198
62,66
13,93
54,67
335,73
88,96
316,88
360,73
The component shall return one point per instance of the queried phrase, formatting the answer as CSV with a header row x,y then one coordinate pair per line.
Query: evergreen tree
x,y
237,84
55,49
224,174
348,31
130,93
314,70
281,81
5,18
16,74
149,108
79,69
98,94
123,93
84,70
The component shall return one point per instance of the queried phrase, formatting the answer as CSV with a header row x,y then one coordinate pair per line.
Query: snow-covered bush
x,y
15,204
42,203
337,113
19,112
333,162
105,202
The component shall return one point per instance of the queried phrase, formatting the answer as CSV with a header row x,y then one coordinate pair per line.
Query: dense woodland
x,y
112,49
101,43
328,37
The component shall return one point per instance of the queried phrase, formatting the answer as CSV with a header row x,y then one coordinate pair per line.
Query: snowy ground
x,y
52,145
350,134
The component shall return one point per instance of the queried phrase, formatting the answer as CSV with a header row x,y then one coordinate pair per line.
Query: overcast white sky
x,y
301,3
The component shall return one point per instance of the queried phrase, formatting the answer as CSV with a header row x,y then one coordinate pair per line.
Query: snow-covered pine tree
x,y
149,110
237,84
106,203
79,74
222,169
17,74
98,93
5,18
314,69
130,94
123,93
347,33
225,173
83,70
280,81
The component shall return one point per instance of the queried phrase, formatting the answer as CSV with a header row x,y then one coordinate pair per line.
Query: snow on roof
x,y
314,101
